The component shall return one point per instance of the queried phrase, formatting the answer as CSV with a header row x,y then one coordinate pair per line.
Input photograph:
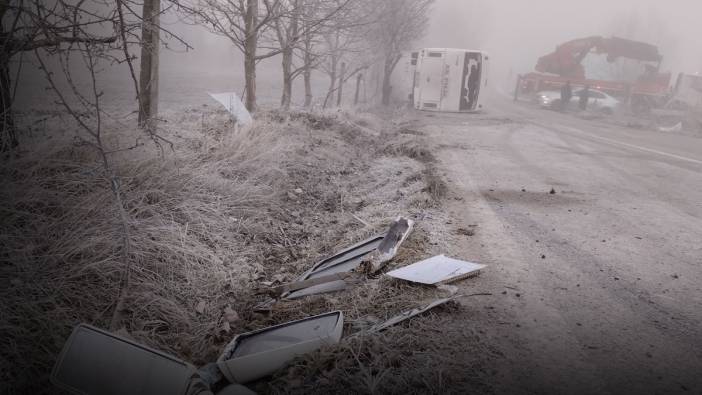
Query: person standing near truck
x,y
584,97
566,95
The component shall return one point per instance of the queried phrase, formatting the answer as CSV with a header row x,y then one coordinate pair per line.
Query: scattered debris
x,y
310,283
342,262
233,104
435,270
398,232
405,315
253,355
94,361
331,274
675,128
465,232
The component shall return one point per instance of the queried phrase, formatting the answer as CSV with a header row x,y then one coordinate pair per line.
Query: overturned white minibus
x,y
449,79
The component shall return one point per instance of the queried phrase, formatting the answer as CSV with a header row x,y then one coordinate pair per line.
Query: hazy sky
x,y
517,32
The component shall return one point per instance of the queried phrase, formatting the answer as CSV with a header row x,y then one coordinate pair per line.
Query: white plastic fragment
x,y
675,128
253,355
436,270
94,361
405,315
233,104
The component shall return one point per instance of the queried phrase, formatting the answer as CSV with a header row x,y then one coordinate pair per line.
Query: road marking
x,y
634,146
607,140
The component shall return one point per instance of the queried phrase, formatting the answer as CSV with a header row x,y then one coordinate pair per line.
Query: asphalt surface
x,y
597,286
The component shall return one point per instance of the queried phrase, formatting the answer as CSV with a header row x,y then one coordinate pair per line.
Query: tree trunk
x,y
287,79
307,72
250,44
308,85
342,75
332,80
359,77
388,68
387,88
148,75
8,138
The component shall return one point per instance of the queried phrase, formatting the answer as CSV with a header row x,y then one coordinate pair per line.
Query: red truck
x,y
648,90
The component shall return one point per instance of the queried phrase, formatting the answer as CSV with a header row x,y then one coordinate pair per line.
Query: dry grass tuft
x,y
208,221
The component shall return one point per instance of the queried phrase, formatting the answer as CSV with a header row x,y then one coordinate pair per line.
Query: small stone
x,y
543,256
298,190
552,192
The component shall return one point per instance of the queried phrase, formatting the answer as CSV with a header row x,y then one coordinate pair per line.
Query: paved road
x,y
598,286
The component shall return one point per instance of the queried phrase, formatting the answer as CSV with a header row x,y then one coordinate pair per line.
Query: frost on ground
x,y
212,215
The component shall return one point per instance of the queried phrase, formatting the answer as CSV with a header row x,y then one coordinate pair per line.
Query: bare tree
x,y
399,24
148,78
299,24
244,23
287,30
71,43
29,25
87,113
345,48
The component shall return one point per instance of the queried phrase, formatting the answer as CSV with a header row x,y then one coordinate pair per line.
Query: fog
x,y
517,33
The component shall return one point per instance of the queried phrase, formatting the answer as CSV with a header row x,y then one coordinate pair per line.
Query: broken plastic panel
x,y
342,262
405,315
331,286
253,355
233,104
437,270
398,232
94,361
